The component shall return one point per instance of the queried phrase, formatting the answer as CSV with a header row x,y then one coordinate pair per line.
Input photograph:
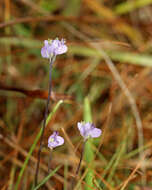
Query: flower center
x,y
49,41
51,140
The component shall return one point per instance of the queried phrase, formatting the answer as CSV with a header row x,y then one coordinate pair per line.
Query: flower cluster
x,y
53,48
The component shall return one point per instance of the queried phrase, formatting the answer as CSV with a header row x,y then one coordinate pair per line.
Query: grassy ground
x,y
105,77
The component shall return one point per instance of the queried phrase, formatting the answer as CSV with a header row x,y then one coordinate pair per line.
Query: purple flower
x,y
55,140
53,47
88,130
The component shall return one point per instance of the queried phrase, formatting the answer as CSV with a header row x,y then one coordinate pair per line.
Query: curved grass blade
x,y
47,178
34,144
88,151
128,6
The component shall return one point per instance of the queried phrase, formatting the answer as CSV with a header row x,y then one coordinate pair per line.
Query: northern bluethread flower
x,y
55,140
53,48
88,130
50,50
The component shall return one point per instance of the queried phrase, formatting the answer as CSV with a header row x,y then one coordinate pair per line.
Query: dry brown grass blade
x,y
121,84
100,9
41,94
104,181
15,146
83,19
131,176
121,26
33,6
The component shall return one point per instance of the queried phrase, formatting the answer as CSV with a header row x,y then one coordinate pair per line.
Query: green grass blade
x,y
128,6
138,150
25,42
88,154
119,154
47,178
72,8
140,59
121,149
110,163
87,111
115,55
34,145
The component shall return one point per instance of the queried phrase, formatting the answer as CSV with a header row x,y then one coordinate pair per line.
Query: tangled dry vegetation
x,y
108,60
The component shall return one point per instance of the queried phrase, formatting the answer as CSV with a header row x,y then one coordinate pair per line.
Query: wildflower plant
x,y
87,130
50,50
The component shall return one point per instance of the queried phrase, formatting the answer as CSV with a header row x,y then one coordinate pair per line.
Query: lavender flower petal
x,y
95,133
61,50
44,52
54,47
83,128
60,140
55,140
88,130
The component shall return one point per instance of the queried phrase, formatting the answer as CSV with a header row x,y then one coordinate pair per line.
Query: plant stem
x,y
82,153
78,168
49,162
44,121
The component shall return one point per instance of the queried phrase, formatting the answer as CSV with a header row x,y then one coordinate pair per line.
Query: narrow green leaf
x,y
128,6
34,145
88,154
47,178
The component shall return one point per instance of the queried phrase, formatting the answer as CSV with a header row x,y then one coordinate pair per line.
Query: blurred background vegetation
x,y
118,30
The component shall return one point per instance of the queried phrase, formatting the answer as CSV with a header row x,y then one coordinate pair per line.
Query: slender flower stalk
x,y
49,162
44,122
81,157
50,50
